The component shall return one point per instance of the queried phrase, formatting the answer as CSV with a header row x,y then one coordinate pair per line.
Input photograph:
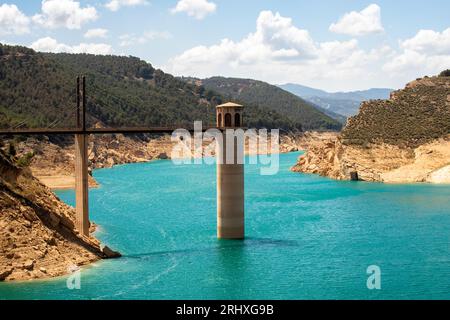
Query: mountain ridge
x,y
39,90
271,97
368,94
343,103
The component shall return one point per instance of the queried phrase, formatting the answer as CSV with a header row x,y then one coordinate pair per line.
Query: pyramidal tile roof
x,y
230,105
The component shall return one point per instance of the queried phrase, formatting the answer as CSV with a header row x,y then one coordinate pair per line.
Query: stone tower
x,y
230,174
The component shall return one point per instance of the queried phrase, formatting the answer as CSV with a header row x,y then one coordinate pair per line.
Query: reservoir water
x,y
308,238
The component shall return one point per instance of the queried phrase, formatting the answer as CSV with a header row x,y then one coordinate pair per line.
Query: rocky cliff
x,y
400,140
53,164
38,238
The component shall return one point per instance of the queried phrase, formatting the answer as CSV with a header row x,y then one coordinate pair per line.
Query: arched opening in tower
x,y
228,120
237,120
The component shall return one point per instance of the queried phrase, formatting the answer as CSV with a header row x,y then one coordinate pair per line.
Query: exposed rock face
x,y
312,138
401,140
109,253
38,238
379,163
53,165
332,159
321,158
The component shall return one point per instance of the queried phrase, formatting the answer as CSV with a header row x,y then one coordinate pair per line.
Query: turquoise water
x,y
308,238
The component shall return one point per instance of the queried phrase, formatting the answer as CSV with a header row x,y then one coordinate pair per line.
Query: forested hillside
x,y
271,97
39,90
412,116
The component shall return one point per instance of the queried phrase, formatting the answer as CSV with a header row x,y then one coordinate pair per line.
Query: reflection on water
x,y
221,245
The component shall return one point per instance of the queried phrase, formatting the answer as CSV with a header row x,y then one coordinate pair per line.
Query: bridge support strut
x,y
82,184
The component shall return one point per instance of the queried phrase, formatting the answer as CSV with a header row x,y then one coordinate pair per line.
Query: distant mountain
x,y
303,91
371,94
336,116
343,103
38,90
345,108
270,97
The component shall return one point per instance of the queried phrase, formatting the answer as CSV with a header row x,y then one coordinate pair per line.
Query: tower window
x,y
228,120
237,120
219,120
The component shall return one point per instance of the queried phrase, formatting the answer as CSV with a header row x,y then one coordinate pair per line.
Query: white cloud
x,y
64,13
198,9
428,52
360,23
51,45
13,21
127,40
280,52
279,33
115,5
96,33
275,39
429,42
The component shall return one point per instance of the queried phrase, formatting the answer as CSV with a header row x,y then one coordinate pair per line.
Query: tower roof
x,y
230,105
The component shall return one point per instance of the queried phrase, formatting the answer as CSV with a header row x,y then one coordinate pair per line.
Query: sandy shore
x,y
58,182
62,182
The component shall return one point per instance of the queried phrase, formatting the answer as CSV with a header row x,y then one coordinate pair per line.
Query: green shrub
x,y
145,72
445,73
25,160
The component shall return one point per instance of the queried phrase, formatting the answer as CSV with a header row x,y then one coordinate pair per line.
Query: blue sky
x,y
332,45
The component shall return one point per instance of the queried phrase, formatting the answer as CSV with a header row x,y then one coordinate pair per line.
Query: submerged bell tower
x,y
230,173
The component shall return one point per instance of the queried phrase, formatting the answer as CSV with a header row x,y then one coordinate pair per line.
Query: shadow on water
x,y
221,245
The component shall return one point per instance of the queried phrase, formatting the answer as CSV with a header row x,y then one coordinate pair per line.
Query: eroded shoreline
x,y
53,165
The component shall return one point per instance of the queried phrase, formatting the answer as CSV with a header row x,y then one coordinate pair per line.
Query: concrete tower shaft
x,y
230,174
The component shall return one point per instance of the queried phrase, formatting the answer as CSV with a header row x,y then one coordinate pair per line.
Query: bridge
x,y
230,186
